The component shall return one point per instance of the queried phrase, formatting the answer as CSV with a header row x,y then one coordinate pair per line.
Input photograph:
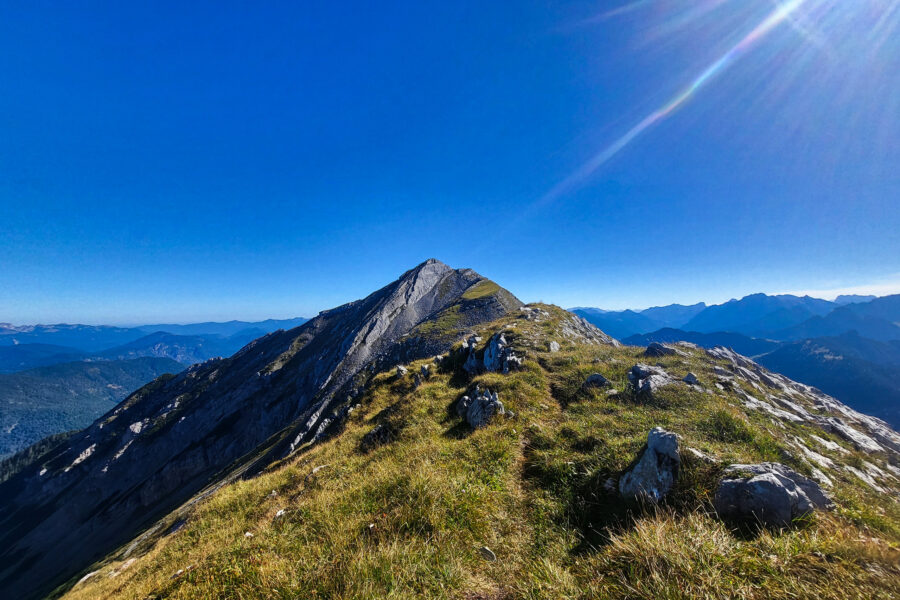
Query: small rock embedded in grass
x,y
480,409
181,572
248,535
655,349
691,379
314,472
595,380
701,456
487,554
554,346
280,513
653,476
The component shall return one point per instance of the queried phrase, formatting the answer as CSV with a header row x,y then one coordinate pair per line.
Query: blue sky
x,y
192,161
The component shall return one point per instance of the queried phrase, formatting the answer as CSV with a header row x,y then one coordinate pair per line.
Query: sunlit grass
x,y
407,518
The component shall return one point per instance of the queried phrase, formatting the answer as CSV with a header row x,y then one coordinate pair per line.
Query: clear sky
x,y
187,161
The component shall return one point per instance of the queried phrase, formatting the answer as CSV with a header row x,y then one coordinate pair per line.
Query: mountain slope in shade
x,y
617,323
885,307
29,356
49,400
853,299
186,349
176,435
842,320
225,329
87,338
758,314
863,373
741,344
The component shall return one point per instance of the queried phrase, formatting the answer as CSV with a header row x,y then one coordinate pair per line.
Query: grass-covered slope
x,y
410,515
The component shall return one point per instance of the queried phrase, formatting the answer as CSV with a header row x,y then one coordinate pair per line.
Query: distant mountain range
x,y
59,377
849,348
93,338
27,347
748,346
782,317
623,323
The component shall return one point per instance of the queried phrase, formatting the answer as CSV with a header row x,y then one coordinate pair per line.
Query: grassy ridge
x,y
408,518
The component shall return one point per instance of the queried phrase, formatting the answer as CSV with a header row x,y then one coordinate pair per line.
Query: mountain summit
x,y
439,439
180,433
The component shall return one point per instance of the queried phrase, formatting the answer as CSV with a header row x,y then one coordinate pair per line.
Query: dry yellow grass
x,y
407,519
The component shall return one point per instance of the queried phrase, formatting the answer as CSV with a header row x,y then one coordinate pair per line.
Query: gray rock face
x,y
691,379
498,356
860,440
653,476
646,380
578,330
769,494
401,371
595,380
655,350
481,408
175,436
554,346
866,433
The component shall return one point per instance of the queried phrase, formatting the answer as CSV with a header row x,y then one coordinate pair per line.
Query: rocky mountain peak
x,y
178,435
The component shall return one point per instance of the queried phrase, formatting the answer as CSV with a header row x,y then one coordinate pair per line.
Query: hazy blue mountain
x,y
226,329
886,307
863,373
841,320
673,315
852,299
87,338
617,323
28,356
186,349
758,314
49,400
741,344
28,346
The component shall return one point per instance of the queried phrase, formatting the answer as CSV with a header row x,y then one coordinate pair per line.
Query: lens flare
x,y
782,13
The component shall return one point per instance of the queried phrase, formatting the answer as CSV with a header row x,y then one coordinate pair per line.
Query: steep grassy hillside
x,y
527,507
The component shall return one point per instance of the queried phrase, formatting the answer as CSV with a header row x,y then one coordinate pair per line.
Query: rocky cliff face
x,y
179,434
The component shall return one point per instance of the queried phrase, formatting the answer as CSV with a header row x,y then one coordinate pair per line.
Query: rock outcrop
x,y
656,350
480,408
769,494
498,356
646,380
595,380
656,471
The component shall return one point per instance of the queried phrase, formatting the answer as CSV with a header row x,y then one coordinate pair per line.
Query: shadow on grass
x,y
458,428
590,499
